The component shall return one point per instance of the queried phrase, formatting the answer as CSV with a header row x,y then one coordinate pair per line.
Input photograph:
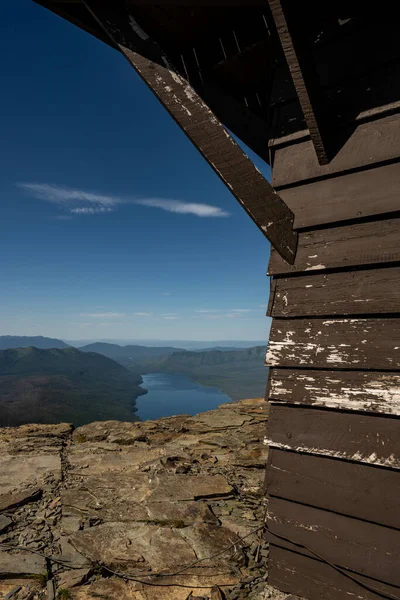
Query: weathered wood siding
x,y
333,474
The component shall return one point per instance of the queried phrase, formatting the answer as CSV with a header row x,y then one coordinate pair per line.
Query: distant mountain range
x,y
55,385
44,380
129,354
20,341
238,373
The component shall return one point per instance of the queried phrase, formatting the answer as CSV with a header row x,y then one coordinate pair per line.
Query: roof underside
x,y
231,54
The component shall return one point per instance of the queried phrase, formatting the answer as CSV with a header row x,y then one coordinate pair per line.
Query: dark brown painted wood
x,y
202,127
351,196
362,547
370,291
316,580
369,144
367,391
335,343
351,245
353,489
303,77
357,437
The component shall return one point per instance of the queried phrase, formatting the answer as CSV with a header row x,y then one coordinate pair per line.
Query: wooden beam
x,y
198,122
357,437
335,485
304,79
369,549
373,242
372,392
335,344
363,292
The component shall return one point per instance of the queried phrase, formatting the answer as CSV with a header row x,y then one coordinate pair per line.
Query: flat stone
x,y
217,419
21,564
98,460
180,514
112,497
134,546
207,540
189,487
24,470
10,501
4,523
73,578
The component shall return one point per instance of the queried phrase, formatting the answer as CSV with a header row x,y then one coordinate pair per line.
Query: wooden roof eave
x,y
197,120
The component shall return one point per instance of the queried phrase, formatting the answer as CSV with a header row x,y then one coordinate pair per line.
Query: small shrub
x,y
80,438
64,594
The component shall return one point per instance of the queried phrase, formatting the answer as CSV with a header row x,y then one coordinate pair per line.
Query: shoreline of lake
x,y
172,394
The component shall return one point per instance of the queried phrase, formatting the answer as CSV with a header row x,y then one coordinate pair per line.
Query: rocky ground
x,y
134,511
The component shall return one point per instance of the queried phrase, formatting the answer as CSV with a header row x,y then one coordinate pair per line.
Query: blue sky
x,y
112,224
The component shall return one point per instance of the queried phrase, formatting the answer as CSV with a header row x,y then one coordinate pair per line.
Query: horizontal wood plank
x,y
350,543
373,392
351,196
370,291
315,580
353,489
374,242
357,437
371,143
335,343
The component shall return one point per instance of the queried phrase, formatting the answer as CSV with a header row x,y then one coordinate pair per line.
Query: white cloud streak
x,y
143,314
88,210
184,208
80,202
106,315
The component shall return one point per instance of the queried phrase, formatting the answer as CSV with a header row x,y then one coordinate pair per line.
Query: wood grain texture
x,y
370,291
374,242
335,343
351,196
367,391
370,143
353,489
357,437
303,76
316,580
201,126
362,547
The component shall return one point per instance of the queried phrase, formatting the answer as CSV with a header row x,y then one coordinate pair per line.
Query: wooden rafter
x,y
304,79
200,124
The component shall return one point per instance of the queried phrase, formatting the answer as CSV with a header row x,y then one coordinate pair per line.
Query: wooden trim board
x,y
375,242
315,580
354,489
365,548
335,343
350,196
363,292
371,143
367,391
362,438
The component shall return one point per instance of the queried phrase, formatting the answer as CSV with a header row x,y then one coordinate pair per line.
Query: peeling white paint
x,y
315,267
373,459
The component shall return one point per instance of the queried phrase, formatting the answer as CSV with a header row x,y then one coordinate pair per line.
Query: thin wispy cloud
x,y
80,202
105,315
143,314
88,210
184,208
171,318
169,314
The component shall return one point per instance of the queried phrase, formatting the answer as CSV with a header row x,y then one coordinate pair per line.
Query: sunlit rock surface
x,y
121,508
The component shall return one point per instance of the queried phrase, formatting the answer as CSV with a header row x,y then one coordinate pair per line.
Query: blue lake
x,y
175,395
